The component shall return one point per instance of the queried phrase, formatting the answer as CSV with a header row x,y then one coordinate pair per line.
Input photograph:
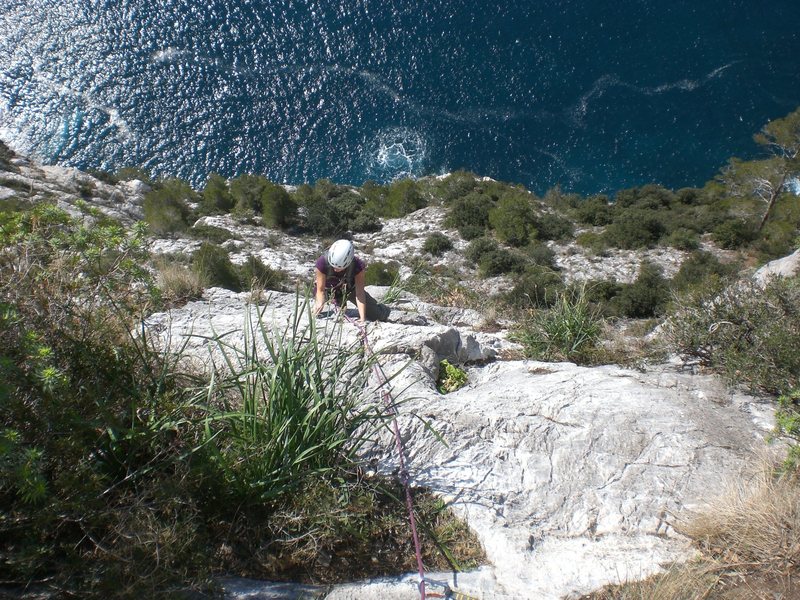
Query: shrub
x,y
478,247
254,274
213,234
536,287
246,191
277,206
165,206
749,334
500,261
437,244
456,185
787,423
734,234
356,213
512,219
644,298
322,218
541,255
553,227
594,211
216,197
134,173
697,268
450,378
635,228
380,273
403,197
470,215
601,294
177,283
213,267
592,241
568,330
6,155
683,239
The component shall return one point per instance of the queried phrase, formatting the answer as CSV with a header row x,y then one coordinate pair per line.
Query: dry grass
x,y
178,284
749,538
755,523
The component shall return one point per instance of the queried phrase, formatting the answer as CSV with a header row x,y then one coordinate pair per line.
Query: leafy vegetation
x,y
749,333
124,475
451,377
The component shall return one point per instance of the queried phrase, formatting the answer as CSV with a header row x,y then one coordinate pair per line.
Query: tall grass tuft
x,y
568,330
288,404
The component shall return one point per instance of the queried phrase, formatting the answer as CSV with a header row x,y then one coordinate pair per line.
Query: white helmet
x,y
340,254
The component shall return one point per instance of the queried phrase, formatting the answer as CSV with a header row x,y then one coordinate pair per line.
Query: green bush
x,y
592,241
380,273
165,206
456,185
403,197
499,262
734,234
787,423
568,330
277,206
254,274
647,197
512,219
644,298
334,211
478,247
470,215
635,228
683,239
210,233
749,334
6,155
553,227
214,268
536,287
601,294
216,197
541,254
322,219
437,244
698,267
134,173
246,191
594,211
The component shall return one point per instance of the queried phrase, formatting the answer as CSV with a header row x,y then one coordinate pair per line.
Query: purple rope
x,y
390,405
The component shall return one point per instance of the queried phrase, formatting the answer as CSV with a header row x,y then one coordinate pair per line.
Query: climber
x,y
340,277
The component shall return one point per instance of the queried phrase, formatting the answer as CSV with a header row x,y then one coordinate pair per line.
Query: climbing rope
x,y
388,401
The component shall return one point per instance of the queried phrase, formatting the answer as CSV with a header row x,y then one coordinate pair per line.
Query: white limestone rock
x,y
569,475
788,266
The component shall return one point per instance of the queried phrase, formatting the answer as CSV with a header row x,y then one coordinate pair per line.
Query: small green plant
x,y
787,422
450,377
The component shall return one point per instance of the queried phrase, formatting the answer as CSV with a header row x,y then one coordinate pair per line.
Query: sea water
x,y
591,96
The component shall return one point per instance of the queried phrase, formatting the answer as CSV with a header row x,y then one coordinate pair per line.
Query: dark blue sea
x,y
594,96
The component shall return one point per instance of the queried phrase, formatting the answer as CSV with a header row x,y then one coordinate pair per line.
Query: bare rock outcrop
x,y
571,476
